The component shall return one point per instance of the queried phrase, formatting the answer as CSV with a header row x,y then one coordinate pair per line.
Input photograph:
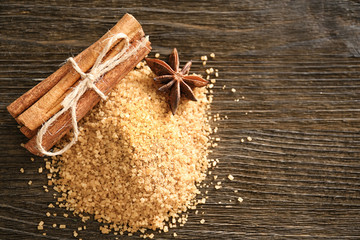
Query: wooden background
x,y
297,65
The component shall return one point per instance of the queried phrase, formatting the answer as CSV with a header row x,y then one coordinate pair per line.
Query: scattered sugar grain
x,y
204,58
240,199
233,90
202,221
105,230
212,55
231,177
30,182
40,170
157,55
175,234
40,226
22,170
62,226
48,214
54,225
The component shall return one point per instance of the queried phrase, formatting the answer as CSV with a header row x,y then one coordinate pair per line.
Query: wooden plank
x,y
295,67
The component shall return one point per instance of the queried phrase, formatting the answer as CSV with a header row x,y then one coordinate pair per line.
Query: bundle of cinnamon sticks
x,y
41,102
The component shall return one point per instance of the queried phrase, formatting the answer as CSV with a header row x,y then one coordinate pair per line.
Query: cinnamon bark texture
x,y
27,132
44,100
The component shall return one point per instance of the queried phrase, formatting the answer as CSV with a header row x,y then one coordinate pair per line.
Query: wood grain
x,y
296,70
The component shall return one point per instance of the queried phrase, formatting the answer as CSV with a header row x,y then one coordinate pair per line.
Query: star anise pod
x,y
175,80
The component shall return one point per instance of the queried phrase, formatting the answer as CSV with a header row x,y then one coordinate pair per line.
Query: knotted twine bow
x,y
88,82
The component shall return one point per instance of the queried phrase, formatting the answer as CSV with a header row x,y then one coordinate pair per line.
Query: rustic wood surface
x,y
296,69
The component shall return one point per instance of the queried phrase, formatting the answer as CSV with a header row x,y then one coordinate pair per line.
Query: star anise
x,y
175,80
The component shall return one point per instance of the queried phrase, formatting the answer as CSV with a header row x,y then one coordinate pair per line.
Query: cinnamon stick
x,y
45,99
87,101
31,96
27,132
57,103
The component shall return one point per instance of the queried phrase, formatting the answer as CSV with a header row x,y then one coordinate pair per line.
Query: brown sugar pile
x,y
135,165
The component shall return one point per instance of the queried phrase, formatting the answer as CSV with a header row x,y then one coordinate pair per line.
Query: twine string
x,y
88,82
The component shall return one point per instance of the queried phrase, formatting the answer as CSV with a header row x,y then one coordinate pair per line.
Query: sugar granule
x,y
135,165
40,225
